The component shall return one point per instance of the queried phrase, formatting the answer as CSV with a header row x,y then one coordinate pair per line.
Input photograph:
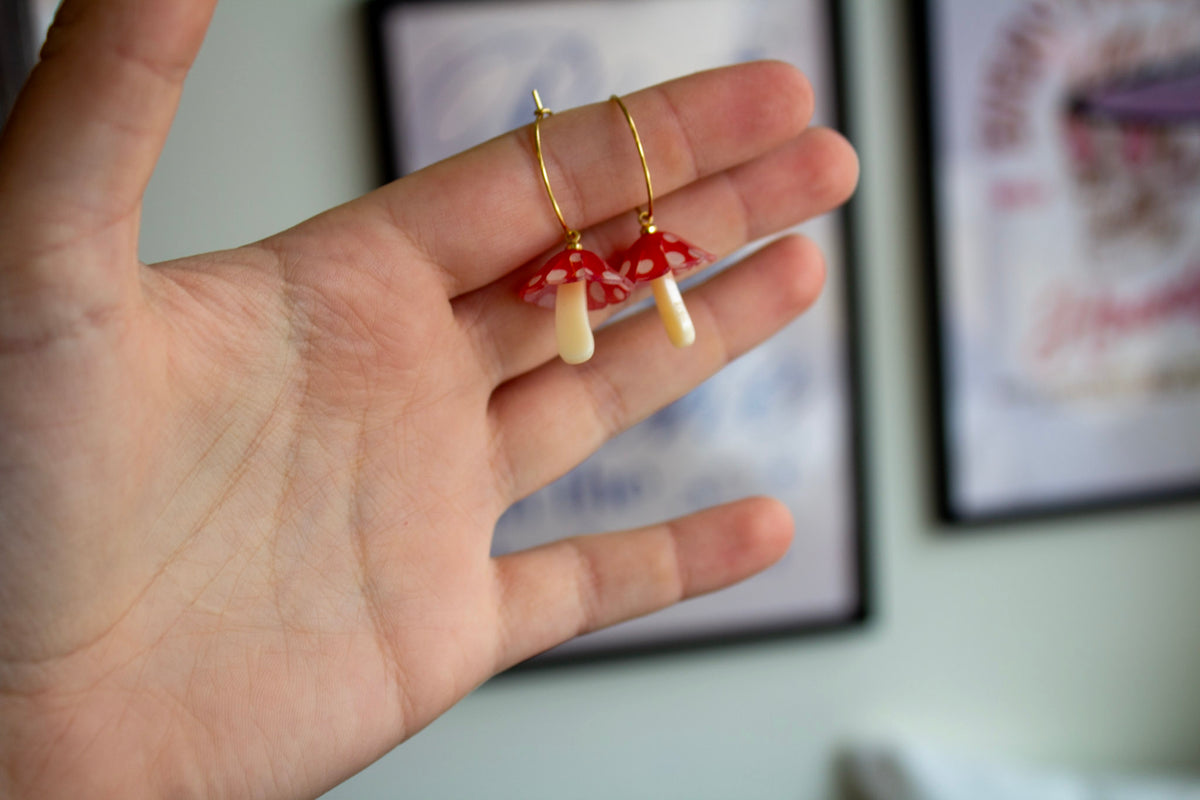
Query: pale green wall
x,y
1074,642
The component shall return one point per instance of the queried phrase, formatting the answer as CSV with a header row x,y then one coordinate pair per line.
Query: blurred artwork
x,y
1066,177
780,420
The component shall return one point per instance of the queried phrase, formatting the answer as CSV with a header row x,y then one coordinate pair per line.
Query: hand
x,y
246,498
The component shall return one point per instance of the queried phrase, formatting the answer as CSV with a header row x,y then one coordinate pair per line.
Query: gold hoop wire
x,y
645,217
539,114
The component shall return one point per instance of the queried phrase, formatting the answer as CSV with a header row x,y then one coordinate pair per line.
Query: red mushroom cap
x,y
605,286
657,254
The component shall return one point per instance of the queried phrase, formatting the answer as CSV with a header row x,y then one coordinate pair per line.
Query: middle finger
x,y
806,177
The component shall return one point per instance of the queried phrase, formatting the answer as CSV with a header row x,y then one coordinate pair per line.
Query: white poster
x,y
1066,169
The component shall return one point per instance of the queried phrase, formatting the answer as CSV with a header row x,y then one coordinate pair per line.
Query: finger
x,y
549,420
480,214
87,130
560,590
808,176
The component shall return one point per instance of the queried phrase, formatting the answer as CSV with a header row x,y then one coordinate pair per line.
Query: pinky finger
x,y
557,591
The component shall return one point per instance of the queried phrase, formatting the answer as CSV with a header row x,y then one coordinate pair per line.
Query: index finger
x,y
480,214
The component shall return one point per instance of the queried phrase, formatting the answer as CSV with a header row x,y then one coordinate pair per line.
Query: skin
x,y
246,498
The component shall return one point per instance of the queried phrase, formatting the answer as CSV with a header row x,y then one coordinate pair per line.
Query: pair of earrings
x,y
576,280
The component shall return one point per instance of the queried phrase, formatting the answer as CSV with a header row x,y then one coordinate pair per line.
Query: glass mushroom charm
x,y
574,280
656,256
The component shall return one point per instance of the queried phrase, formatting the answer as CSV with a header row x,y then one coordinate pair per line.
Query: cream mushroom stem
x,y
571,325
667,298
673,312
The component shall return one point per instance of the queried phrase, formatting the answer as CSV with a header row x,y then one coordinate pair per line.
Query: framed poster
x,y
1064,204
781,420
23,25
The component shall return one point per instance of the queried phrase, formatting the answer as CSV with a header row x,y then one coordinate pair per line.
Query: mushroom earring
x,y
656,256
574,280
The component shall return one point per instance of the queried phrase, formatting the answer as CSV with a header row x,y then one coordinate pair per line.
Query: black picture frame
x,y
1045,106
393,92
19,29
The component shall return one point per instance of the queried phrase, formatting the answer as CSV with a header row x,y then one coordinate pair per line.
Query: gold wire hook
x,y
540,113
645,217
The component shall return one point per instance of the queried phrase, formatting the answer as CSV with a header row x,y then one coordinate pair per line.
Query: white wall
x,y
1074,642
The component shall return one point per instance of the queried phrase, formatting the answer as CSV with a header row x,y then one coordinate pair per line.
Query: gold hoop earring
x,y
657,256
573,280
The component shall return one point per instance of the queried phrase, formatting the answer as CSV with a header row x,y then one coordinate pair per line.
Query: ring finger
x,y
553,417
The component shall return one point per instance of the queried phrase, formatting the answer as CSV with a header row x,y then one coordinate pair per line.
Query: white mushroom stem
x,y
575,342
674,313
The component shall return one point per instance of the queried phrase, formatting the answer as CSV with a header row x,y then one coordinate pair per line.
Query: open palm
x,y
246,498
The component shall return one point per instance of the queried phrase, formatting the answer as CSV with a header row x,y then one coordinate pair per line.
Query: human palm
x,y
246,498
